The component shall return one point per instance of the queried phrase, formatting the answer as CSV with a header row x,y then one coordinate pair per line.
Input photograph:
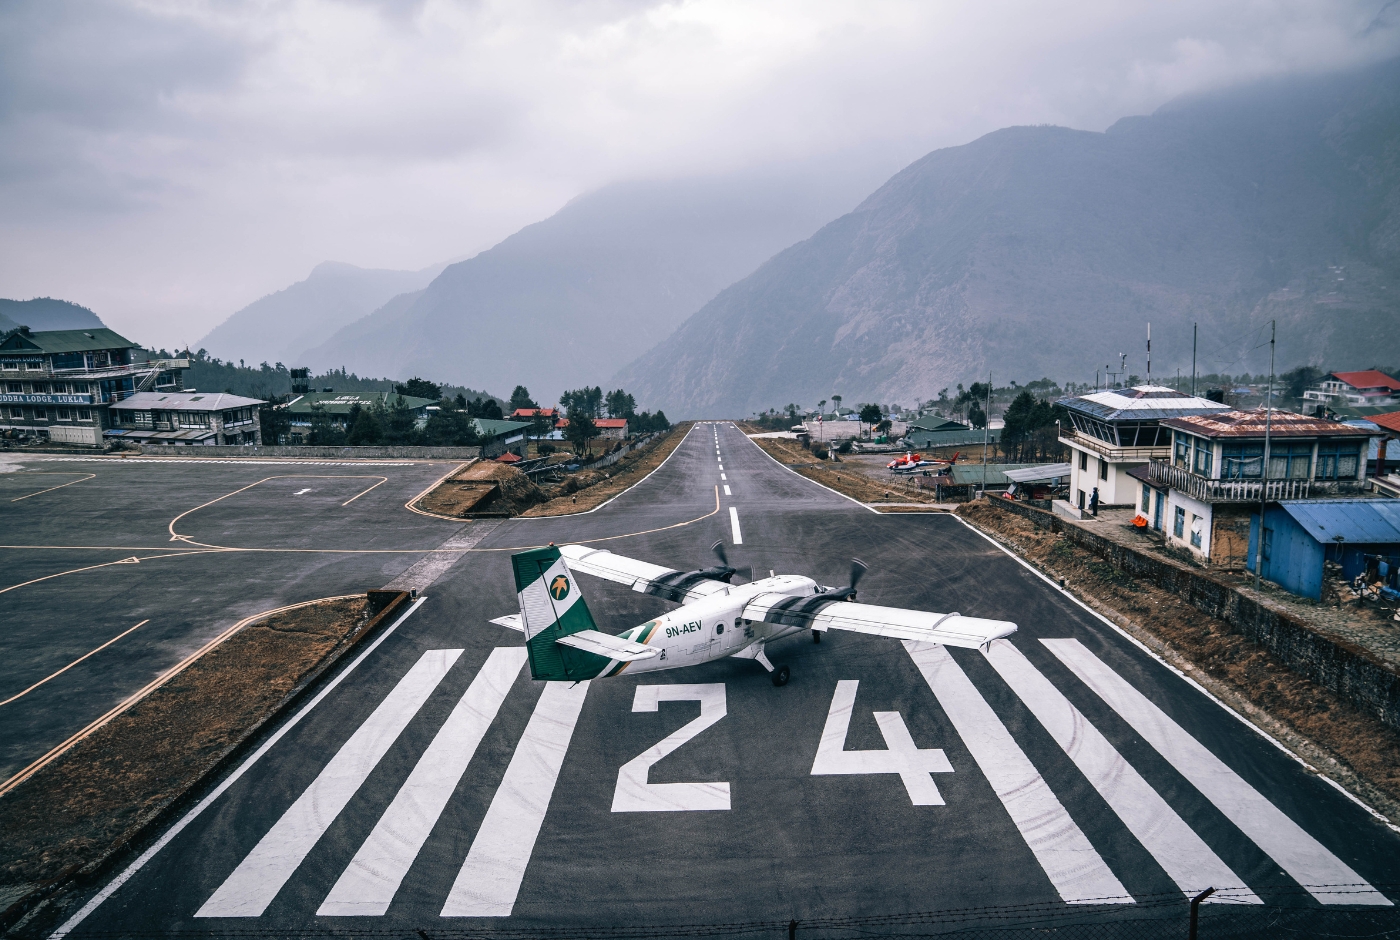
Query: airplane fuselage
x,y
713,627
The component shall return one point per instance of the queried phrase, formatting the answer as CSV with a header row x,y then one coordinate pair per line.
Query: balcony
x,y
116,371
1164,473
1112,452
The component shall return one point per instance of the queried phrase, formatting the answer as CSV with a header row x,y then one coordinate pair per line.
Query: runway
x,y
436,788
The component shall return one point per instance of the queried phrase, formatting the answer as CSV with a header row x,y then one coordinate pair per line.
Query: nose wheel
x,y
780,675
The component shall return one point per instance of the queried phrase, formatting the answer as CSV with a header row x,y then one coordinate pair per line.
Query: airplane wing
x,y
819,613
605,644
641,576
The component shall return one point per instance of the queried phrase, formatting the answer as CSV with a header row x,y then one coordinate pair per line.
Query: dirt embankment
x,y
852,482
73,813
483,489
588,489
1353,748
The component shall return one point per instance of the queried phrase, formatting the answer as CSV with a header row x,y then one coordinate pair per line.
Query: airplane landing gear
x,y
780,675
816,636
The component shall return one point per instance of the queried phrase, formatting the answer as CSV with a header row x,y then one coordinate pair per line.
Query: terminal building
x,y
59,385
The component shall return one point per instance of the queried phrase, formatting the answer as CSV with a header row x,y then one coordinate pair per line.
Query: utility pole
x,y
1149,354
986,433
1264,474
1193,360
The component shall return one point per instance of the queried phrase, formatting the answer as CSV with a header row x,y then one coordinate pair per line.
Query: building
x,y
57,385
930,433
1116,431
1300,537
611,429
529,414
499,436
186,418
1368,389
306,409
1385,482
1203,496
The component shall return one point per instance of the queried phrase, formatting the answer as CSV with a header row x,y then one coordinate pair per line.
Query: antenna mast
x,y
1149,354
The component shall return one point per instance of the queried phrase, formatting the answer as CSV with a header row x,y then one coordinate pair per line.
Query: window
x,y
1290,461
1338,461
15,387
1103,469
80,388
1242,461
84,414
1083,461
1182,452
1179,523
65,414
11,365
1268,547
1146,498
1202,463
1197,524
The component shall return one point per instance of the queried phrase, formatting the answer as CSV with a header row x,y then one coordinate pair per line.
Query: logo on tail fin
x,y
559,587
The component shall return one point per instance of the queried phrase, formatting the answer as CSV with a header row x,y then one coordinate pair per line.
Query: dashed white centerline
x,y
723,477
726,490
734,524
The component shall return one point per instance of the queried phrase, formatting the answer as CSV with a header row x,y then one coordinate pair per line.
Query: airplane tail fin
x,y
552,607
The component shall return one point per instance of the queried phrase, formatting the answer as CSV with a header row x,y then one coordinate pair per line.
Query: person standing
x,y
1094,503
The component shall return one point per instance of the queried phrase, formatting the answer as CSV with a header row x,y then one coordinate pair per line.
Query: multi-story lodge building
x,y
1115,431
57,385
1213,481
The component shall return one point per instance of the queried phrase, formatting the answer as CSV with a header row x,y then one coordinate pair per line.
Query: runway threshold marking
x,y
87,476
734,525
1183,855
368,884
1324,876
255,882
115,884
489,880
1078,873
55,675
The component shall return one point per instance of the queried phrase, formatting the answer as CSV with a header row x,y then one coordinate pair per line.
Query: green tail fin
x,y
552,606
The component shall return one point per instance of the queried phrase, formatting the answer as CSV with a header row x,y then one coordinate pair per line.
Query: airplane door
x,y
731,635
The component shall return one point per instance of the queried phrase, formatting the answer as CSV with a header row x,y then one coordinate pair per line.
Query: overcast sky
x,y
165,162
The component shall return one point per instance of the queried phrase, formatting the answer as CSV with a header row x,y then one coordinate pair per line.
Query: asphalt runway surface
x,y
436,788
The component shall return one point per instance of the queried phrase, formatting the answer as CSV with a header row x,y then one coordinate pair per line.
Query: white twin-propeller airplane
x,y
716,619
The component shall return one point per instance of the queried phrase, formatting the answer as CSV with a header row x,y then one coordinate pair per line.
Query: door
x,y
1157,513
730,635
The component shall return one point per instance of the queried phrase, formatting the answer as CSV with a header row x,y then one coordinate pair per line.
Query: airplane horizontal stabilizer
x,y
510,622
605,644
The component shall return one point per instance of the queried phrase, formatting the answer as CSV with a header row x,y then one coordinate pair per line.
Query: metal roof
x,y
1038,474
1252,423
491,427
1139,403
331,403
964,474
65,341
1360,521
185,401
1369,378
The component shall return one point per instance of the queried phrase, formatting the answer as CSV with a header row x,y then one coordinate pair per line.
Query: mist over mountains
x,y
46,313
569,300
1046,251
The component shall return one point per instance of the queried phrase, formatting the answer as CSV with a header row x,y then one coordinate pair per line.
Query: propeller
x,y
858,570
726,570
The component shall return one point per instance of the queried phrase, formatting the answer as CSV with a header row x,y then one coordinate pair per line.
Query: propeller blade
x,y
718,549
858,570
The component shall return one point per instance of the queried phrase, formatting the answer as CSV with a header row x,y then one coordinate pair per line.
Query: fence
x,y
314,452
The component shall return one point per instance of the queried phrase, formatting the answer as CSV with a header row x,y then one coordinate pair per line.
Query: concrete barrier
x,y
1339,665
316,453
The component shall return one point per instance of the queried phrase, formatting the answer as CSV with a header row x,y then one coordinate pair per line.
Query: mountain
x,y
45,313
567,301
1047,251
281,326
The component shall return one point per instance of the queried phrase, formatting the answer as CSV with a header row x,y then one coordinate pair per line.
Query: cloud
x,y
168,162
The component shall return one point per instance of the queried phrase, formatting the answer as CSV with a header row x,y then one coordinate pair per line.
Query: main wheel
x,y
780,675
816,636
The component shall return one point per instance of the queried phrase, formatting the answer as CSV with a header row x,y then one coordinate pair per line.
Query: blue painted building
x,y
1301,535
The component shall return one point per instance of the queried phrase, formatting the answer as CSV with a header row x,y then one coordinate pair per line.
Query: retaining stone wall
x,y
318,453
1350,671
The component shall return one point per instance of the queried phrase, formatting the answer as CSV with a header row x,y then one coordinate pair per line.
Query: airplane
x,y
915,463
716,619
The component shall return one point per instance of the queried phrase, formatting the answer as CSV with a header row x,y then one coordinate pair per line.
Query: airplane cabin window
x,y
719,629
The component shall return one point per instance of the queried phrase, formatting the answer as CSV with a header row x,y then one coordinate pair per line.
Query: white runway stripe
x,y
726,490
1176,847
490,877
258,878
1298,853
734,524
1078,873
367,886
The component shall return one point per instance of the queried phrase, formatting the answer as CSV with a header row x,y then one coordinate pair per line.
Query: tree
x,y
364,428
419,388
461,401
976,416
1296,381
398,423
821,406
884,426
870,414
836,403
450,429
520,398
275,422
620,404
580,432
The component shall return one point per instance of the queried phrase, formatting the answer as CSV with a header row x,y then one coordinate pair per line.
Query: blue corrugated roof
x,y
1360,521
